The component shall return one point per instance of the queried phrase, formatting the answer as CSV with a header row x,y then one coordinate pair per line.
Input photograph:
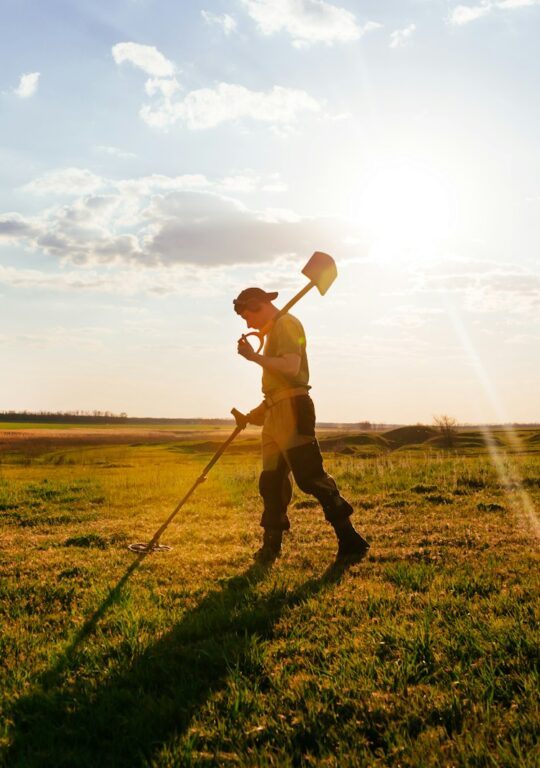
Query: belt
x,y
284,394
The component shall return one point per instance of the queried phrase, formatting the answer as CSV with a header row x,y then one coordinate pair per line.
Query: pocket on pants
x,y
304,411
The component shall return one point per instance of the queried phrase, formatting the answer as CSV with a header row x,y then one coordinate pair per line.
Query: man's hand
x,y
245,349
240,418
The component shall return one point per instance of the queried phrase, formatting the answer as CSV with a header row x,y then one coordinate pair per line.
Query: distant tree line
x,y
108,417
63,416
96,417
446,425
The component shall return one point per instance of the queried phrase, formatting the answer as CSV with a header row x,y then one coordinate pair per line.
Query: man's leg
x,y
307,467
305,460
276,490
308,470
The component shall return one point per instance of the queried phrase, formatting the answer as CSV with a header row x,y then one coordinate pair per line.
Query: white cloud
x,y
28,85
463,14
114,151
66,181
407,316
165,87
208,107
486,286
275,186
307,21
69,182
160,281
400,36
226,22
145,57
89,338
516,3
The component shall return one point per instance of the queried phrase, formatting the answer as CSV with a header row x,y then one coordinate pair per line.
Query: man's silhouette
x,y
287,416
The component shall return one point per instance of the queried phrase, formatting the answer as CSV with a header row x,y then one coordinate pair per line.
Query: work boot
x,y
351,546
271,547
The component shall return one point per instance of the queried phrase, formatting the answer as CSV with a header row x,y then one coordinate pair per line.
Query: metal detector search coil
x,y
142,546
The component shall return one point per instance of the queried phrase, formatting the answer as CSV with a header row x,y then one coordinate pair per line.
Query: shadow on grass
x,y
76,718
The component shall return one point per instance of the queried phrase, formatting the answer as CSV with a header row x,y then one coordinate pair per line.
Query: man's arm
x,y
288,364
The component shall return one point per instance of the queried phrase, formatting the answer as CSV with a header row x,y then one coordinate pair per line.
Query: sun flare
x,y
405,211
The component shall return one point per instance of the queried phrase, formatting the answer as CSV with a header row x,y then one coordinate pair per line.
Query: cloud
x,y
165,87
13,227
145,57
114,151
516,3
407,316
513,293
209,107
89,338
158,281
28,85
307,21
161,221
401,36
211,230
225,22
486,286
463,14
206,108
67,181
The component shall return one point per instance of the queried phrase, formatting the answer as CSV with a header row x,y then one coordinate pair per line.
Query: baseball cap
x,y
252,296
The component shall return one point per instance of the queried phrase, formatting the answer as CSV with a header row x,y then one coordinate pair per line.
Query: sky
x,y
158,157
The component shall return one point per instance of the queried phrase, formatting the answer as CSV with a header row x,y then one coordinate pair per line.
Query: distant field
x,y
426,654
22,425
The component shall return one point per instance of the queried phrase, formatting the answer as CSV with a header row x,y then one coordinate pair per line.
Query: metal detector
x,y
153,545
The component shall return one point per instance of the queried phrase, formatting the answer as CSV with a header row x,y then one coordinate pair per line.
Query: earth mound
x,y
397,438
349,444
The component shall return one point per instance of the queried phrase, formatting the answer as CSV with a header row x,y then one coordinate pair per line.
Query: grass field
x,y
426,654
25,426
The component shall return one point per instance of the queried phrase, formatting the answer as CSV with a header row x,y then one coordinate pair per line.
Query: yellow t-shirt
x,y
286,335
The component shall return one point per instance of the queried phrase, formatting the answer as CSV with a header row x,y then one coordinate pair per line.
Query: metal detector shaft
x,y
152,544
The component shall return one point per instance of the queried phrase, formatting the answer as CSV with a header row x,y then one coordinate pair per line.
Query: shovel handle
x,y
258,334
262,333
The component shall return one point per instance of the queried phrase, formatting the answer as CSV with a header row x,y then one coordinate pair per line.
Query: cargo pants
x,y
289,446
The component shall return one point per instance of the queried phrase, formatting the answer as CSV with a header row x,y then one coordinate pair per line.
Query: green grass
x,y
426,654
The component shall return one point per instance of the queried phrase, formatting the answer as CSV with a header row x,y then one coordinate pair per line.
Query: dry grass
x,y
426,654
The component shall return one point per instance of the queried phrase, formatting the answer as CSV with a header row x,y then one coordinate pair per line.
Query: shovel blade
x,y
321,270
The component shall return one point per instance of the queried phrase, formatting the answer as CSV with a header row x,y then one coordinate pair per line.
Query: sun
x,y
404,209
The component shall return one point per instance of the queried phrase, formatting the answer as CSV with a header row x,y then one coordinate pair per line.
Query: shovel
x,y
322,271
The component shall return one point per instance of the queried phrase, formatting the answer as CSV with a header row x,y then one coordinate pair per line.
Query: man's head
x,y
255,306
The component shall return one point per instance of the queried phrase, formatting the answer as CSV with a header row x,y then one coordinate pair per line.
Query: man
x,y
287,416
